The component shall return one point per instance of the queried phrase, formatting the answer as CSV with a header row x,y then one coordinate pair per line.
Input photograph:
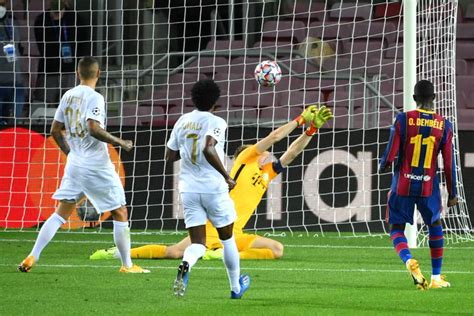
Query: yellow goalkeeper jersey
x,y
252,182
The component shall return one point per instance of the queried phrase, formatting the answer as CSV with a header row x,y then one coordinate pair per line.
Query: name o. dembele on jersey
x,y
417,137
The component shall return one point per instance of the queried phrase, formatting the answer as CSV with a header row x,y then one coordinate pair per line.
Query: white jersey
x,y
77,106
188,137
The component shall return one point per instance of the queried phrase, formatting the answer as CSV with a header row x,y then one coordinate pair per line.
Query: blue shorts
x,y
401,208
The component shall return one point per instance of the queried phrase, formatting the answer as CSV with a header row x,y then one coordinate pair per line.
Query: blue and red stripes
x,y
400,244
447,150
436,243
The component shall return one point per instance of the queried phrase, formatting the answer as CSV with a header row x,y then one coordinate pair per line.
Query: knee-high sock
x,y
257,253
122,241
400,243
436,243
47,232
232,263
148,252
192,253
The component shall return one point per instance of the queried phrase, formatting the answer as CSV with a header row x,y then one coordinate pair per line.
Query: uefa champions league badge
x,y
96,111
217,132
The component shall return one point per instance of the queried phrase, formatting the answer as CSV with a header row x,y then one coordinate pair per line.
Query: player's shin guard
x,y
192,253
47,232
400,244
122,241
232,263
436,244
148,252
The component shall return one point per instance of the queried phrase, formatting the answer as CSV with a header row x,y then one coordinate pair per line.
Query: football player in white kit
x,y
89,171
198,140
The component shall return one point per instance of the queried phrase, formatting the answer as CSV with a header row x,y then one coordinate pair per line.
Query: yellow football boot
x,y
133,269
414,268
438,284
27,264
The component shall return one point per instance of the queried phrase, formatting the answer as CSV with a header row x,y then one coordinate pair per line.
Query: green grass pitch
x,y
317,275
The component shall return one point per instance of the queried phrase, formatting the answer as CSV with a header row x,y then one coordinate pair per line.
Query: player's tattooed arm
x,y
56,132
101,134
212,157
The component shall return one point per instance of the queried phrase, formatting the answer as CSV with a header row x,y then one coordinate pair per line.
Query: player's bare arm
x,y
101,134
56,132
172,155
212,157
321,116
284,130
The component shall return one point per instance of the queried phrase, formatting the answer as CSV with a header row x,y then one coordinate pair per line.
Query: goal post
x,y
409,81
360,58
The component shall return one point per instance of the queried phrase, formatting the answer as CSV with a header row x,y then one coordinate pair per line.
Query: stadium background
x,y
335,273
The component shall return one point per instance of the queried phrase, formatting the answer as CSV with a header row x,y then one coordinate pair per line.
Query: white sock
x,y
122,241
436,277
232,263
47,232
192,253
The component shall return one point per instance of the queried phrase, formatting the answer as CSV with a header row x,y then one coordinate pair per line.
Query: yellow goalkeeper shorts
x,y
243,241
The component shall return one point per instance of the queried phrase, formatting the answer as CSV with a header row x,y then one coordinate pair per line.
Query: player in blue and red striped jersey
x,y
417,137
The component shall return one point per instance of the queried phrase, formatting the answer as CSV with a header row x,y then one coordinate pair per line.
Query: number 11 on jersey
x,y
418,141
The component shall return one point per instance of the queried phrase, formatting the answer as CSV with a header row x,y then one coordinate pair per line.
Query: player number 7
x,y
194,150
418,140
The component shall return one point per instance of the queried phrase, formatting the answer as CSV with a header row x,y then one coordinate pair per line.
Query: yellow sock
x,y
257,253
148,252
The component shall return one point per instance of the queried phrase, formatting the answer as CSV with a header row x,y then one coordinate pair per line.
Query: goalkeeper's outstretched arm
x,y
295,149
283,131
321,116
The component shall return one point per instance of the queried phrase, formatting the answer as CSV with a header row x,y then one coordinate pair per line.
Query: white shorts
x,y
102,187
199,207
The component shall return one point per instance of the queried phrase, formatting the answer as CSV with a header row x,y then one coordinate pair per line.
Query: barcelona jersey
x,y
417,137
252,182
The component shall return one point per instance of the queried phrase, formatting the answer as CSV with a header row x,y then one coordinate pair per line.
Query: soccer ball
x,y
267,73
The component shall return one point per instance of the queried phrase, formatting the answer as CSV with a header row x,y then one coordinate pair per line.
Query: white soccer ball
x,y
267,73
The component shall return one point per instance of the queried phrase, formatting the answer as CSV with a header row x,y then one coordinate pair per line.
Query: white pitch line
x,y
66,266
110,242
363,247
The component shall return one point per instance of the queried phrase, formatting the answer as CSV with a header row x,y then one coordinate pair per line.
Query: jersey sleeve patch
x,y
96,111
217,132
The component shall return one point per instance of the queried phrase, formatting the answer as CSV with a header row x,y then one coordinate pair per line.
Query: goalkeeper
x,y
252,172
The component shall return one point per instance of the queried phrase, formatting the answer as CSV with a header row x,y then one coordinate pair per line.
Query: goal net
x,y
347,55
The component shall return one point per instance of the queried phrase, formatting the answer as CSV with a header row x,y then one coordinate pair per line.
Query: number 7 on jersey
x,y
194,149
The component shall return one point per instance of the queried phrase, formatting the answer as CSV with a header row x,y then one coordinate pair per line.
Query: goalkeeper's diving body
x,y
252,170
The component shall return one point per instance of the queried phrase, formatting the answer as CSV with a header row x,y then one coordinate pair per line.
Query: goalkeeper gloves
x,y
321,116
306,116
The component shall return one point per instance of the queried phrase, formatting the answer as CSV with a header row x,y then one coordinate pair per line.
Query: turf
x,y
317,275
